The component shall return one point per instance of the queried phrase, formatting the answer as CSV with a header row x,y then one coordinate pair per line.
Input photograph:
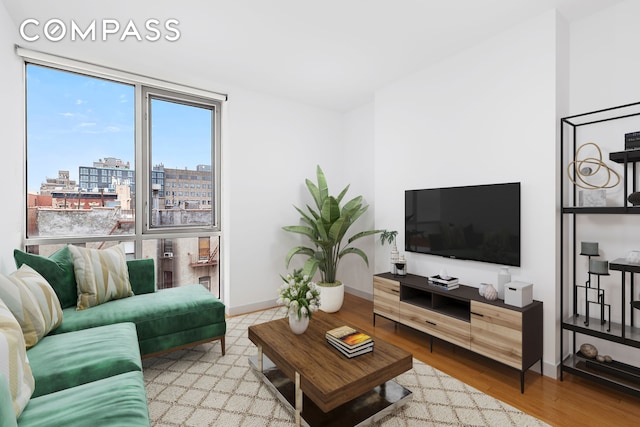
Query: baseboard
x,y
264,305
358,293
244,309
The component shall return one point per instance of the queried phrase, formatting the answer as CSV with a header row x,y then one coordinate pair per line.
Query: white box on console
x,y
519,294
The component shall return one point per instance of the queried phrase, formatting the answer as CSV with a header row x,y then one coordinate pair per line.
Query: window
x,y
110,138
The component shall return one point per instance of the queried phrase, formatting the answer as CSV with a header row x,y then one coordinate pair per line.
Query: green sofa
x,y
88,371
165,320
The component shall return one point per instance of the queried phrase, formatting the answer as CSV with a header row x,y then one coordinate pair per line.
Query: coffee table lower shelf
x,y
361,411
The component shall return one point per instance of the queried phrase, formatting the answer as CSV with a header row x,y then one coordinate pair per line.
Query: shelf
x,y
607,210
617,375
595,329
621,264
628,156
622,336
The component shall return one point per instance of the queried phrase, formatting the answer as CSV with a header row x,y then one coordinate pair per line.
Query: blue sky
x,y
75,120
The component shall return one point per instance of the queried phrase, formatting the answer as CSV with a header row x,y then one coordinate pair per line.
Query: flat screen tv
x,y
479,222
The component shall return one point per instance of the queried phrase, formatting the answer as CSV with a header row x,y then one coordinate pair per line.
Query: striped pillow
x,y
44,295
101,275
14,364
32,301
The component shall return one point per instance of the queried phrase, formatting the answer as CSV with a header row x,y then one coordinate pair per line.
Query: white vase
x,y
298,324
504,277
331,297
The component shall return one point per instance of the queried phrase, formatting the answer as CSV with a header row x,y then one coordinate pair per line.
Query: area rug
x,y
200,387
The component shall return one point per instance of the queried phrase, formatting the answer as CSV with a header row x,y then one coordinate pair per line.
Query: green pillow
x,y
57,269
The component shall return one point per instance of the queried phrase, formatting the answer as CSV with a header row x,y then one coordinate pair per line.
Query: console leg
x,y
521,381
298,400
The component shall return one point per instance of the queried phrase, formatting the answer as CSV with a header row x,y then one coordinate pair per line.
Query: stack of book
x,y
444,283
349,341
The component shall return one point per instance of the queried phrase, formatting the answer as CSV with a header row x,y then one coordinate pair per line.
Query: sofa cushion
x,y
142,275
57,269
67,360
120,400
14,364
101,275
7,414
165,312
32,301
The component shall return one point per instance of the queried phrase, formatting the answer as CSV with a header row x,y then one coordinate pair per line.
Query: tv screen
x,y
480,222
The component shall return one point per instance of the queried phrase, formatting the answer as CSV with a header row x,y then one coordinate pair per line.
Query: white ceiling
x,y
330,53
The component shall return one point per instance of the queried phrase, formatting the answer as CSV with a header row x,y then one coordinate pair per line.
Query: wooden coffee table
x,y
322,386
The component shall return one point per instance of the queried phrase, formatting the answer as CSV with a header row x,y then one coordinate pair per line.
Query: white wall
x,y
486,115
271,147
12,124
358,169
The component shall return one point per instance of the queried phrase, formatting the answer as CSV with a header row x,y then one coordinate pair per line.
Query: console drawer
x,y
386,298
445,327
496,332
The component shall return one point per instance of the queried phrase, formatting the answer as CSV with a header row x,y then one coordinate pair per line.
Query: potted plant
x,y
389,236
326,226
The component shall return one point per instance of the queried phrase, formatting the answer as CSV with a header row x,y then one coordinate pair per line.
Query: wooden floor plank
x,y
572,402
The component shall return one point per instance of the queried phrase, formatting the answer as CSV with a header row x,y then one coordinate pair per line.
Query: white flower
x,y
303,311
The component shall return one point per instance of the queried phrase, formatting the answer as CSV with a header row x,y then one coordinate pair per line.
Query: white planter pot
x,y
331,298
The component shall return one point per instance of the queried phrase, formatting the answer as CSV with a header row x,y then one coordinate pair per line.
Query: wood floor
x,y
572,402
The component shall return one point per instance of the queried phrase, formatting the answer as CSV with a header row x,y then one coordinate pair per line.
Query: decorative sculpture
x,y
579,170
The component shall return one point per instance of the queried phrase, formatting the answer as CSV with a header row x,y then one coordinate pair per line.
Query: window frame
x,y
141,161
148,93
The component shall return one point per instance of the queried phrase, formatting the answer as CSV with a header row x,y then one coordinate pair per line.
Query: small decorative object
x,y
482,288
300,297
597,266
631,140
608,359
589,350
589,248
634,198
633,257
490,293
389,236
444,275
592,198
582,169
401,266
504,277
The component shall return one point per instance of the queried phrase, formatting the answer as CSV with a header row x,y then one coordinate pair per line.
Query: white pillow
x,y
101,275
32,301
44,295
14,364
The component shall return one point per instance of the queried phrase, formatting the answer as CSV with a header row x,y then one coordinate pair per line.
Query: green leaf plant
x,y
326,226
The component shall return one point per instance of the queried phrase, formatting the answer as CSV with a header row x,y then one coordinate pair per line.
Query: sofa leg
x,y
222,344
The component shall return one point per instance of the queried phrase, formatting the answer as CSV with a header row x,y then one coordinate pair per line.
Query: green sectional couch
x,y
88,370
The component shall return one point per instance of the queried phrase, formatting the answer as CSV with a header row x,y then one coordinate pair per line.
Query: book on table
x,y
367,348
348,337
445,281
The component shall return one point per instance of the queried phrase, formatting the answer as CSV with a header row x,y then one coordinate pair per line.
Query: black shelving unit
x,y
625,333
